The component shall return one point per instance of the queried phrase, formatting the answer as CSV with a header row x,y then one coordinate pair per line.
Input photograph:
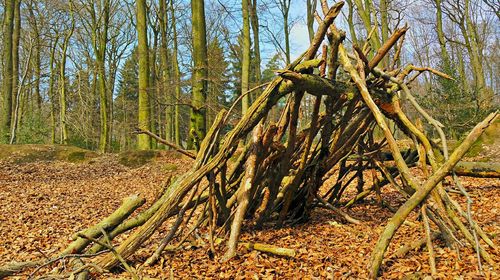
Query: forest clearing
x,y
144,140
45,201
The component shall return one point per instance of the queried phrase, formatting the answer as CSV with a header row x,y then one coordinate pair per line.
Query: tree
x,y
177,75
16,37
62,76
8,28
217,79
254,20
143,141
165,77
199,79
100,15
34,19
311,9
285,12
245,60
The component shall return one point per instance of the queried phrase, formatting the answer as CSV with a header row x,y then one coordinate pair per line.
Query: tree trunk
x,y
199,80
8,28
100,42
167,91
245,60
177,77
440,33
51,92
143,141
62,80
254,20
16,36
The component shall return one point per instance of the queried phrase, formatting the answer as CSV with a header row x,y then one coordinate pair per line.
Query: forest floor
x,y
43,203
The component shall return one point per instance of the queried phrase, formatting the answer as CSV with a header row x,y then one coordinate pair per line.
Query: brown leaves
x,y
44,203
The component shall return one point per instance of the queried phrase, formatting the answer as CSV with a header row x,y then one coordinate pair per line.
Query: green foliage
x,y
125,104
33,130
128,86
272,65
454,105
235,54
218,76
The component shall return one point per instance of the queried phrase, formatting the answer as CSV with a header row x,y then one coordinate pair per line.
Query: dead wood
x,y
277,177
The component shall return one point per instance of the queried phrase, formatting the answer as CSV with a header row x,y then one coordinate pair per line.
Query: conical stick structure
x,y
278,176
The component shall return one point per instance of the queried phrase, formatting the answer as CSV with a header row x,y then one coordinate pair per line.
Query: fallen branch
x,y
422,193
265,248
165,142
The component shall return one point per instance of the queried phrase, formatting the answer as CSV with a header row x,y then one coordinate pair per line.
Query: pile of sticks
x,y
277,175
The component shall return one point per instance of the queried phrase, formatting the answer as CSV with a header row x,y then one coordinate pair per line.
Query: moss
x,y
34,152
170,167
137,158
76,157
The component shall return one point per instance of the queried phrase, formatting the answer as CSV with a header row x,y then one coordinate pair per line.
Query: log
x,y
265,248
478,169
463,168
16,267
128,206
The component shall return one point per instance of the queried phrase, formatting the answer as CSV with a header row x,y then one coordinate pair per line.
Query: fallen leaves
x,y
43,204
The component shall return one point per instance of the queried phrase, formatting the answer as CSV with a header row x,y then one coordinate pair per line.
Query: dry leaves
x,y
42,204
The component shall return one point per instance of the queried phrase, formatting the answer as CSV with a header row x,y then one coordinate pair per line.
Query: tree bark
x,y
199,80
245,60
143,141
8,28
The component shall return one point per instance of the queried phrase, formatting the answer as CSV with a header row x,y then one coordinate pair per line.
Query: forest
x,y
255,139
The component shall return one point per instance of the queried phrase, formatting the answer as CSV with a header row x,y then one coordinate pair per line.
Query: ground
x,y
44,202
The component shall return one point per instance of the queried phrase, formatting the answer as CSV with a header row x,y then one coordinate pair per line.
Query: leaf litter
x,y
43,204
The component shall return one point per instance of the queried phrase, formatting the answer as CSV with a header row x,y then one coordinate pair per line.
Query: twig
x,y
338,211
65,257
469,219
165,142
113,250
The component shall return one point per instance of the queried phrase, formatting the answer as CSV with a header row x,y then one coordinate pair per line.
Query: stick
x,y
113,250
264,248
165,142
432,259
422,193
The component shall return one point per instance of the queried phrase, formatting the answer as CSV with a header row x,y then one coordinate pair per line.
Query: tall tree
x,y
51,93
441,38
199,79
311,9
8,28
460,13
143,141
96,20
165,77
62,76
99,42
254,20
34,19
245,60
177,75
16,36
